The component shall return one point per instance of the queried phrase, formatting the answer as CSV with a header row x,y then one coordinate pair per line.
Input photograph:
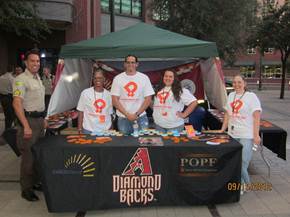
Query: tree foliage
x,y
273,30
21,18
225,22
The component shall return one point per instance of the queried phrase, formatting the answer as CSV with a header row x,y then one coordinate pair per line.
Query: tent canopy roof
x,y
142,40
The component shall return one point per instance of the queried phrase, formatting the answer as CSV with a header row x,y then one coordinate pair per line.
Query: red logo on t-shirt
x,y
99,104
162,96
236,106
131,88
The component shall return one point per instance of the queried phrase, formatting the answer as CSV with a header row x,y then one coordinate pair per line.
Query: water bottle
x,y
255,147
69,122
145,124
135,129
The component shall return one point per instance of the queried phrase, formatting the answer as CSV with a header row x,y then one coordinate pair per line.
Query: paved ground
x,y
275,203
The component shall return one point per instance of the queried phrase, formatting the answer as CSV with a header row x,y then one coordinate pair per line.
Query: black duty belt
x,y
35,114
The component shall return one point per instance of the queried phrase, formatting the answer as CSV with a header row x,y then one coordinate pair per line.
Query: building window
x,y
269,50
274,71
251,51
124,7
247,71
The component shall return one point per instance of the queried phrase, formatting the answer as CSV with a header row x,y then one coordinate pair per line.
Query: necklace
x,y
163,97
234,103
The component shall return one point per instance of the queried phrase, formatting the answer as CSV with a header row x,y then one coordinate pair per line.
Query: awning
x,y
244,63
271,62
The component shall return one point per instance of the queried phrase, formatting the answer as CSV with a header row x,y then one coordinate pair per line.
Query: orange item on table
x,y
189,131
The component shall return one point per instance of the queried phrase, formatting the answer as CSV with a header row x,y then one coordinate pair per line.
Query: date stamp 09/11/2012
x,y
254,186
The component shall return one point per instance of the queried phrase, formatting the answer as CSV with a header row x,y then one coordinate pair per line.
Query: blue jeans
x,y
166,130
246,158
126,127
86,131
196,118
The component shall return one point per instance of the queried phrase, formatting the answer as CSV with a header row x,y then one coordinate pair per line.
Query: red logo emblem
x,y
141,161
236,106
162,96
131,88
99,104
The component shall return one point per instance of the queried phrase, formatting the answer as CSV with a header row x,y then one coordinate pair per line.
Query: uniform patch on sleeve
x,y
17,92
19,83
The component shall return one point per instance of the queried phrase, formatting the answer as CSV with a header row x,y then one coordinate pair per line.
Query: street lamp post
x,y
260,68
112,15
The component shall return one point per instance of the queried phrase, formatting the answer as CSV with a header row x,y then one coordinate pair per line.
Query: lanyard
x,y
164,97
95,94
234,101
163,101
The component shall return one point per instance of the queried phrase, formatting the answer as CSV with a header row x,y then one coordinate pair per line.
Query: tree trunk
x,y
284,70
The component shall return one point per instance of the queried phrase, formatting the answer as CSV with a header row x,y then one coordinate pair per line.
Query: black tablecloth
x,y
121,173
274,137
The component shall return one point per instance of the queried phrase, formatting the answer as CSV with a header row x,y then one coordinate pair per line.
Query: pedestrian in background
x,y
47,79
6,81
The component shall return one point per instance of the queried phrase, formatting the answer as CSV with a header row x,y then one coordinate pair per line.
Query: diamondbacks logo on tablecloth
x,y
193,164
77,165
137,183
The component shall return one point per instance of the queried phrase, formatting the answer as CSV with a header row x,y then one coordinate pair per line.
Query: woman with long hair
x,y
242,119
169,102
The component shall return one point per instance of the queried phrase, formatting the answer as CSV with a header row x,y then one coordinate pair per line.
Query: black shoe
x,y
29,195
37,187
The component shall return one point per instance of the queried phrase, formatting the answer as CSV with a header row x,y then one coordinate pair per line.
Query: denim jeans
x,y
246,158
86,131
126,127
166,130
196,118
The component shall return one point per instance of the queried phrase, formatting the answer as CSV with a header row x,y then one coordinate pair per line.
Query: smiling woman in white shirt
x,y
169,102
242,118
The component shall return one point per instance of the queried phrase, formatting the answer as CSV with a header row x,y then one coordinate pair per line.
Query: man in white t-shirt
x,y
95,107
131,95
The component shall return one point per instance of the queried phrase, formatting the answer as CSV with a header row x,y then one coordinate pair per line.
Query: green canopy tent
x,y
145,41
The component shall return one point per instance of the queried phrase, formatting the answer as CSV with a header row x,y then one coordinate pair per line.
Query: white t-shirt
x,y
165,107
132,89
240,109
97,109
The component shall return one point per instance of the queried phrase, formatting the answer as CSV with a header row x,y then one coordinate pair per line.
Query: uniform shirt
x,y
240,109
30,88
165,107
97,109
132,89
47,83
6,81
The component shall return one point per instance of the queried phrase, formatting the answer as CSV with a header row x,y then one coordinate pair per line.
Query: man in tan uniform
x,y
28,103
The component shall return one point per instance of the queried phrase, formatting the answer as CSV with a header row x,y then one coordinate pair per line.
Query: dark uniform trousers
x,y
29,174
6,102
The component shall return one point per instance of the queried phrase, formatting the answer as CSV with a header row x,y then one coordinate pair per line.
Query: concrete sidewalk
x,y
274,203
